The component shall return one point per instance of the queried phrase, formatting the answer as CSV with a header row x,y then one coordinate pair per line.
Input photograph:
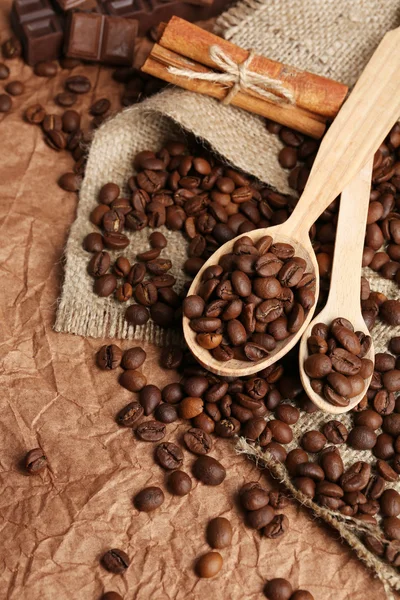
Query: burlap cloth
x,y
334,38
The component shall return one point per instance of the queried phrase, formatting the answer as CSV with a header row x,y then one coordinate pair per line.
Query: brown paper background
x,y
55,527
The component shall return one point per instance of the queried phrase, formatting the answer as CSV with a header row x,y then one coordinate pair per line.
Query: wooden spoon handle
x,y
356,133
344,291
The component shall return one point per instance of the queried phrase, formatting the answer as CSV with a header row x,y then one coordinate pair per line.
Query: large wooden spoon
x,y
356,133
344,292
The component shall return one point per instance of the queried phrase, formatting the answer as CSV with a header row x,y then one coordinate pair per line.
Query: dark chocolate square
x,y
84,37
42,39
118,47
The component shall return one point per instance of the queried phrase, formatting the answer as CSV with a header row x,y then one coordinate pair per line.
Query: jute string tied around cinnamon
x,y
241,76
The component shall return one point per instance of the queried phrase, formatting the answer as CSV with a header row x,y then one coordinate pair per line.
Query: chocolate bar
x,y
42,39
39,29
101,38
152,12
68,4
24,11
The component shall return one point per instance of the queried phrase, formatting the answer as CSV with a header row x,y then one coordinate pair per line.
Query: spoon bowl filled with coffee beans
x,y
336,351
255,296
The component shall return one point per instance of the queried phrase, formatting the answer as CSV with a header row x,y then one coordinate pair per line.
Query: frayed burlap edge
x,y
346,526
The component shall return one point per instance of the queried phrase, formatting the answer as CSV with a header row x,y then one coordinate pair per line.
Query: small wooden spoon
x,y
356,133
344,292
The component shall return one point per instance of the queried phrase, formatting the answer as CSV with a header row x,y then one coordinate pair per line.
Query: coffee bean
x,y
35,461
78,84
130,414
115,561
179,483
146,293
151,431
356,477
15,88
305,485
169,456
386,471
313,441
390,503
111,596
55,139
391,424
137,315
172,393
253,496
209,565
362,438
198,441
391,528
209,471
35,114
317,366
93,242
71,121
105,285
4,71
45,69
190,407
259,518
278,589
12,48
335,432
66,99
99,264
219,533
100,107
70,182
277,527
332,464
301,595
109,357
149,398
157,240
171,357
295,457
149,499
5,103
132,380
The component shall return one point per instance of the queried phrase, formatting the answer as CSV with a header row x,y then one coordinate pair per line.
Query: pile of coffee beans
x,y
219,536
336,364
260,506
281,589
110,357
257,296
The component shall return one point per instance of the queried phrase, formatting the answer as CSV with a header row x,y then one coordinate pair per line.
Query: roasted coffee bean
x,y
384,448
305,485
105,285
391,528
259,518
390,503
35,114
281,432
96,216
12,48
71,121
108,193
169,456
318,366
133,380
122,267
99,264
219,533
4,71
45,69
209,565
253,428
391,380
311,470
111,596
179,483
172,393
228,427
55,139
137,315
276,528
386,471
100,107
146,293
209,471
78,84
66,99
15,88
149,398
368,418
335,432
149,499
332,464
149,254
109,357
362,437
93,242
253,496
52,123
151,431
356,477
70,182
391,424
198,441
130,414
35,461
190,407
313,441
166,413
171,357
345,362
278,589
294,458
115,561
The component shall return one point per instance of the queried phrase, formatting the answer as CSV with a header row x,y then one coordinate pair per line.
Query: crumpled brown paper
x,y
55,526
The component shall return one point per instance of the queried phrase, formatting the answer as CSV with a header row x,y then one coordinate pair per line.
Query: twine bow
x,y
241,76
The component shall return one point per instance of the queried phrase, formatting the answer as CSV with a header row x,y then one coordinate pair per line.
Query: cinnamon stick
x,y
160,59
312,92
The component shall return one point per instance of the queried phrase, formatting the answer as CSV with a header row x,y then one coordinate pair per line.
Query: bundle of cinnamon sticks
x,y
298,99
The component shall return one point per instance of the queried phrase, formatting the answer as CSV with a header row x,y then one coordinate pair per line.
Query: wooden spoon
x,y
344,292
356,133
